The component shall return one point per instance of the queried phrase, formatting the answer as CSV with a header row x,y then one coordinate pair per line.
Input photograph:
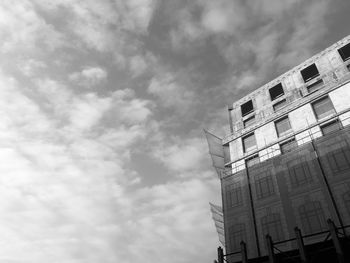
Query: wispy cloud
x,y
89,76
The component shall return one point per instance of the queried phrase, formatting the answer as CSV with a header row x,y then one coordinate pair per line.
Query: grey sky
x,y
103,105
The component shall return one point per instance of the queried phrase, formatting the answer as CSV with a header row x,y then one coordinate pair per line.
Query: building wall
x,y
296,179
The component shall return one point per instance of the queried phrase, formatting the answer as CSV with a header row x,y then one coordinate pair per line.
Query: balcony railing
x,y
312,132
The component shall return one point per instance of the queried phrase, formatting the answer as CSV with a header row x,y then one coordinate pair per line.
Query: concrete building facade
x,y
286,161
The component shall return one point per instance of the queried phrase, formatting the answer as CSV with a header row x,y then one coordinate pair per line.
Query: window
x,y
252,160
272,225
288,146
312,217
323,108
249,142
237,234
249,122
331,127
283,126
339,159
264,185
234,195
314,86
309,72
299,173
276,91
247,108
346,199
345,52
279,105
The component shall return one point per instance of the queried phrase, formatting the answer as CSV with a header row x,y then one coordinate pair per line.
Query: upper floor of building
x,y
307,102
293,88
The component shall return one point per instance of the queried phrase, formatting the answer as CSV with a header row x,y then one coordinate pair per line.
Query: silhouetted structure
x,y
286,163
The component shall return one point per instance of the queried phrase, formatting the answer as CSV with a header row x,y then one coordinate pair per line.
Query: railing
x,y
299,255
312,132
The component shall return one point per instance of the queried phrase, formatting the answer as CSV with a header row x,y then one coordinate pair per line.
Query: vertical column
x,y
336,241
253,211
244,252
220,255
229,109
272,258
300,244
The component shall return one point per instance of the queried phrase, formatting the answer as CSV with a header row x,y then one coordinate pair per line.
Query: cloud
x,y
182,204
70,193
222,16
31,67
86,112
89,76
170,92
185,157
60,180
22,29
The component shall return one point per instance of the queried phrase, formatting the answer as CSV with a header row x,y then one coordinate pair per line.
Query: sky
x,y
102,108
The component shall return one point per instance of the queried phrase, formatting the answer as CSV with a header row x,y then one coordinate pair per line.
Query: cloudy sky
x,y
102,109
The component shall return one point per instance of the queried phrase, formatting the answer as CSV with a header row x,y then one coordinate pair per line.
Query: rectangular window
x,y
323,108
331,127
234,195
264,185
276,91
312,217
288,146
283,126
315,86
272,225
249,143
299,173
247,108
237,234
345,52
252,160
249,122
309,72
339,160
279,105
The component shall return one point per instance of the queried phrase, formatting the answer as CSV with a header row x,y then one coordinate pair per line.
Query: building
x,y
286,161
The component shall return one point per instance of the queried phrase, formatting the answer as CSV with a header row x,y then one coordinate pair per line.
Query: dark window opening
x,y
279,105
288,146
331,127
310,72
348,67
247,107
276,91
249,122
314,86
345,52
252,160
